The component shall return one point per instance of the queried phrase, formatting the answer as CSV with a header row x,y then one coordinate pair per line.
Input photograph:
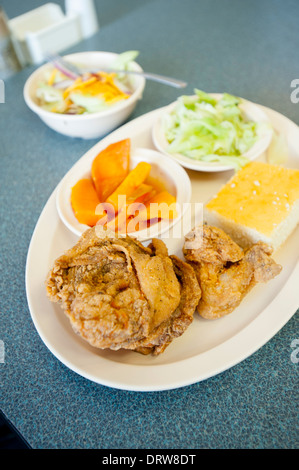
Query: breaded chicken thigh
x,y
224,271
118,293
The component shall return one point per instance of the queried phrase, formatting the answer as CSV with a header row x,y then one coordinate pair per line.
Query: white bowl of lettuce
x,y
85,112
212,132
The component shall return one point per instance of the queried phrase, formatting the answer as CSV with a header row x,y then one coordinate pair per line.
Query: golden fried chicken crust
x,y
118,293
224,271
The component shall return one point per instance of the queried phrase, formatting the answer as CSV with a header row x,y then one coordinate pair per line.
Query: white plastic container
x,y
85,9
45,30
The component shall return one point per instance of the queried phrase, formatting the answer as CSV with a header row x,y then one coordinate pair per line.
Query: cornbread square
x,y
259,203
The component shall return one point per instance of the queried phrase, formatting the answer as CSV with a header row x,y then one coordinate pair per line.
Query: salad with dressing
x,y
91,92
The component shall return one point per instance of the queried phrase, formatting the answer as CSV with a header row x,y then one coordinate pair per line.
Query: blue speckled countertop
x,y
249,48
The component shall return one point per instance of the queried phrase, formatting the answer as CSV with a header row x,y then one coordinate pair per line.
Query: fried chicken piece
x,y
181,318
118,293
224,271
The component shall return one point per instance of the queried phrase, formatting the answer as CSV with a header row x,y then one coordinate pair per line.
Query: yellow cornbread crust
x,y
259,203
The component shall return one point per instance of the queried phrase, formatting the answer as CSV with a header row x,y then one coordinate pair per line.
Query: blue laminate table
x,y
248,48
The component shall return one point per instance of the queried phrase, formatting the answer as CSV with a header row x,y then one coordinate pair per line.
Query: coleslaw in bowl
x,y
212,132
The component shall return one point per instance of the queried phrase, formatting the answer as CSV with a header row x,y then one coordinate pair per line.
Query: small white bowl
x,y
86,126
164,168
250,110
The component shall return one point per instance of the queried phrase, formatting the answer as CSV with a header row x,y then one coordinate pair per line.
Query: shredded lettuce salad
x,y
93,92
206,129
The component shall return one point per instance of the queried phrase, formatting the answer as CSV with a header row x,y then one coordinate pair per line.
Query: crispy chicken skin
x,y
224,271
118,293
181,318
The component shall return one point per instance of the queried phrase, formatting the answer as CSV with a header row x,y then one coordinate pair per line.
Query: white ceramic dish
x,y
207,347
250,111
86,126
176,180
